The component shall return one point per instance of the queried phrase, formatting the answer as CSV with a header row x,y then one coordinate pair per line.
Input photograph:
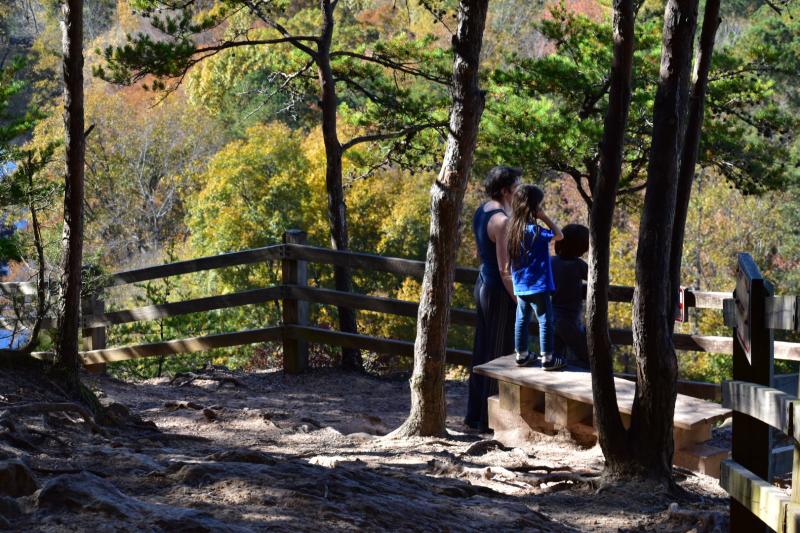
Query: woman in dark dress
x,y
494,292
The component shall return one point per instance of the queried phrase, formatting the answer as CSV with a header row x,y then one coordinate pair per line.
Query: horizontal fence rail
x,y
764,501
231,259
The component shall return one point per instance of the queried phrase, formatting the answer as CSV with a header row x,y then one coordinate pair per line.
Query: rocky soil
x,y
222,451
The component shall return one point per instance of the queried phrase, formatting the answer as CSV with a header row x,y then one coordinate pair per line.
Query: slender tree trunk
x,y
650,434
72,238
428,410
691,144
611,432
41,280
337,209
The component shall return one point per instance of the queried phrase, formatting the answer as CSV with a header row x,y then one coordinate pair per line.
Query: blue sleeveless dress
x,y
494,331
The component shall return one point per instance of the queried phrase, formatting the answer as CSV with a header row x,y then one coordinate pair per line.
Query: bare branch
x,y
390,63
287,79
591,99
632,189
297,43
578,177
255,42
390,135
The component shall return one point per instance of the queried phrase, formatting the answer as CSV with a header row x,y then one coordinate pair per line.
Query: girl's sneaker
x,y
556,362
523,358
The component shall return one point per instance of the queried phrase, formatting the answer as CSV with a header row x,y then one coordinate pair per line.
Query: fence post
x,y
94,338
295,351
752,362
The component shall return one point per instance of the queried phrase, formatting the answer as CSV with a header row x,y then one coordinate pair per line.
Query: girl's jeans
x,y
541,305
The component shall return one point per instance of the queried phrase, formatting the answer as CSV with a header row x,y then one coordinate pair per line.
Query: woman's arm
x,y
501,248
557,235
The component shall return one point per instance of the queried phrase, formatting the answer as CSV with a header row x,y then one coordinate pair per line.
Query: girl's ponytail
x,y
524,206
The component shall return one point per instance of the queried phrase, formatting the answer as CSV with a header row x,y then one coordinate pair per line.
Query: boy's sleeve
x,y
584,269
547,233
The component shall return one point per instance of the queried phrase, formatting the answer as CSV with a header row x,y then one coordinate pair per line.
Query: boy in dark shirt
x,y
569,272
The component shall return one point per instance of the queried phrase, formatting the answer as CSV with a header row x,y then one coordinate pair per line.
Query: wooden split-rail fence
x,y
295,331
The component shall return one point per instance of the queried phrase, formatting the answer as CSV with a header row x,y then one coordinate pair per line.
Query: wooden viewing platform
x,y
534,401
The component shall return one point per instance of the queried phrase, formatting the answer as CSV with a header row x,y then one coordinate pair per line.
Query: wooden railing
x,y
754,313
294,293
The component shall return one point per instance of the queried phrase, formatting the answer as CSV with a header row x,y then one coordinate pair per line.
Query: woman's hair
x,y
500,178
524,206
575,242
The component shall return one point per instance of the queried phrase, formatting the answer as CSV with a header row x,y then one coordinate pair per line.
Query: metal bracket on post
x,y
295,312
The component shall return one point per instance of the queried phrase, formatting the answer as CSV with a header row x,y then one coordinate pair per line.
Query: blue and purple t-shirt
x,y
531,272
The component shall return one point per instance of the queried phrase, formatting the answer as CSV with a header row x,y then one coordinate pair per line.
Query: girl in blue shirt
x,y
532,275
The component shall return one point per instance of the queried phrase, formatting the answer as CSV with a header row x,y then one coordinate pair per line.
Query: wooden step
x,y
702,458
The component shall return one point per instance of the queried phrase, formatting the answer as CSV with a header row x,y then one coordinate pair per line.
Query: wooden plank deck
x,y
577,385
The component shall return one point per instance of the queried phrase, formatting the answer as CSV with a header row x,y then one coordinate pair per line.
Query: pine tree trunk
x,y
337,209
691,144
428,410
72,238
650,434
611,432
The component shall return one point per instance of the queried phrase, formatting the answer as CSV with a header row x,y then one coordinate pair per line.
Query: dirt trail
x,y
266,451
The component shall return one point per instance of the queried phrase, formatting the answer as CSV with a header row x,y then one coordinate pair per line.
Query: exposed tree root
x,y
182,379
19,442
29,409
56,471
46,435
543,468
702,521
565,479
484,446
413,427
502,474
175,405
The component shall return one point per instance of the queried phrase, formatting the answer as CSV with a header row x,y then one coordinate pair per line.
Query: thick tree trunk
x,y
650,434
337,209
428,412
611,432
72,239
691,144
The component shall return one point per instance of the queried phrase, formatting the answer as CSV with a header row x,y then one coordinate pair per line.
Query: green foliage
x,y
547,112
10,248
18,188
22,192
388,80
251,193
